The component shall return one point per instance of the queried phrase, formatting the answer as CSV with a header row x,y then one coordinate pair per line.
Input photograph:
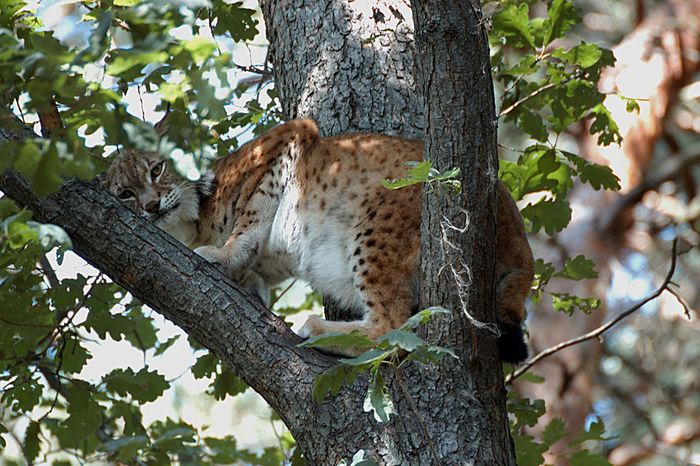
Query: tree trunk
x,y
347,64
357,75
367,58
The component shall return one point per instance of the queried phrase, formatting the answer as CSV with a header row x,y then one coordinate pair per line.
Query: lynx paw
x,y
210,253
312,327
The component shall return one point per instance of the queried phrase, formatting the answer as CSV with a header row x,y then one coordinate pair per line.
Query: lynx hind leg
x,y
515,268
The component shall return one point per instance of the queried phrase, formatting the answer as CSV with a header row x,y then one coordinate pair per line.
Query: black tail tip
x,y
512,347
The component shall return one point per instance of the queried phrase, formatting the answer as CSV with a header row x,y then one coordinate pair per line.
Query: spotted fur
x,y
292,204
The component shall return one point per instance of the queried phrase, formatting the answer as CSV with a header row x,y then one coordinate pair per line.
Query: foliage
x,y
546,89
180,53
530,451
130,49
395,348
423,172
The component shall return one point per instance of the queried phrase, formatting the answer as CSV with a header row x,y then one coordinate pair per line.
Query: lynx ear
x,y
163,125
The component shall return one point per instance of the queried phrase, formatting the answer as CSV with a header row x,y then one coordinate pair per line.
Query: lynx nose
x,y
153,207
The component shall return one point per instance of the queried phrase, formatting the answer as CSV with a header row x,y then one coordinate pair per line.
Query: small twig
x,y
681,301
600,330
414,408
143,112
272,304
534,93
49,272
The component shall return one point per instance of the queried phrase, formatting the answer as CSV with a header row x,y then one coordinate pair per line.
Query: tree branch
x,y
184,288
603,328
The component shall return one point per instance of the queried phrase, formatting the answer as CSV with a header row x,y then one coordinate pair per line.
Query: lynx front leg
x,y
237,252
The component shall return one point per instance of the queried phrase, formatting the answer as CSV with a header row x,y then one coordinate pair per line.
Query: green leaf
x,y
339,340
200,47
19,234
32,443
528,451
595,431
130,443
128,60
632,106
126,3
578,268
227,384
419,172
513,23
332,380
564,302
239,22
526,412
163,346
28,159
23,397
538,169
552,215
561,16
596,175
142,386
586,458
544,271
428,354
599,176
583,55
378,399
47,176
205,366
554,431
604,125
423,317
533,125
532,378
408,341
84,416
73,356
131,415
366,358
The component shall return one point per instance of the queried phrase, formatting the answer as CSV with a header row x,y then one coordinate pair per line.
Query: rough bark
x,y
458,234
347,64
662,49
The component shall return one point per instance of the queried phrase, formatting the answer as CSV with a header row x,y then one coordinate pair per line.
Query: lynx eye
x,y
157,170
126,194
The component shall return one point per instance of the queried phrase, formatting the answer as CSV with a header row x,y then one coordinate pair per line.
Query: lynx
x,y
293,204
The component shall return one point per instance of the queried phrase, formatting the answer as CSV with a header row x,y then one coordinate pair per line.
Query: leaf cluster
x,y
395,348
530,451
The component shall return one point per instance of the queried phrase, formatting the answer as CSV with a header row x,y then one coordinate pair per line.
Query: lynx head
x,y
148,184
